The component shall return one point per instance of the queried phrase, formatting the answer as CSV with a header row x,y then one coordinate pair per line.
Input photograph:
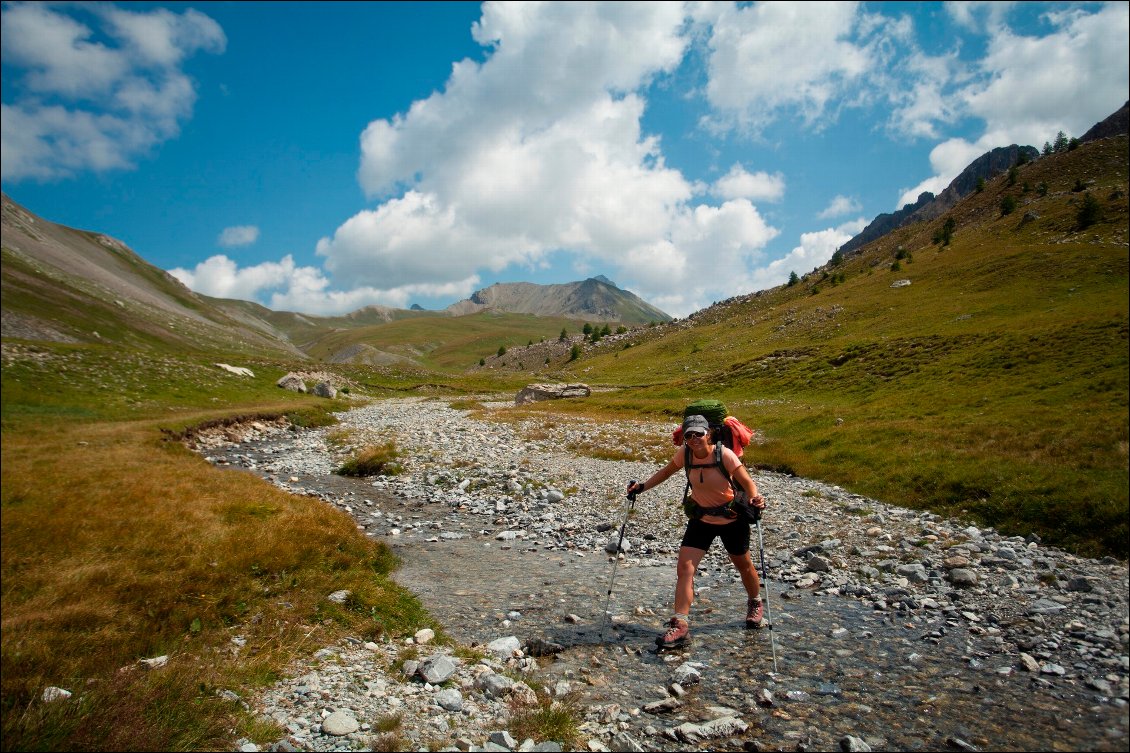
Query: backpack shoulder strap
x,y
716,463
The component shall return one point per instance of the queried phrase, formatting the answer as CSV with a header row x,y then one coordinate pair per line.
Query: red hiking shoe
x,y
678,634
754,613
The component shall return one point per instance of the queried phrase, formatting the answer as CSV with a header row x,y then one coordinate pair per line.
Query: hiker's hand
x,y
634,488
757,501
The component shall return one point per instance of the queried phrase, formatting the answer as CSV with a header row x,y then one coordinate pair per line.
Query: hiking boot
x,y
678,634
754,613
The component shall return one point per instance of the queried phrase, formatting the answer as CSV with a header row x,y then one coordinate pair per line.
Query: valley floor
x,y
892,629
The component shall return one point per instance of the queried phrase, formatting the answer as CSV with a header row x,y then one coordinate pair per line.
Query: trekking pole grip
x,y
632,490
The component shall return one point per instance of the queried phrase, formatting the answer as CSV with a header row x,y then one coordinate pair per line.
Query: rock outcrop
x,y
534,392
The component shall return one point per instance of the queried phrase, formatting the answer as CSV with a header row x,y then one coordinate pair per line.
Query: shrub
x,y
945,233
375,460
1008,205
1090,212
575,352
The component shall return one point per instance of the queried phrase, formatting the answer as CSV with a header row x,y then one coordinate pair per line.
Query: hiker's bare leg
x,y
744,564
689,558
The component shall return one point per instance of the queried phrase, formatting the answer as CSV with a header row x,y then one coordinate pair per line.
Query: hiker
x,y
709,488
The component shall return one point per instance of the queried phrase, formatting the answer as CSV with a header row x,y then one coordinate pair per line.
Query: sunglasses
x,y
694,434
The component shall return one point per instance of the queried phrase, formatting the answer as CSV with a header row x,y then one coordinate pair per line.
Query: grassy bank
x,y
121,545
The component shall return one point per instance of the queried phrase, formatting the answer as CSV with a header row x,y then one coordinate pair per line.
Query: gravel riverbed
x,y
891,629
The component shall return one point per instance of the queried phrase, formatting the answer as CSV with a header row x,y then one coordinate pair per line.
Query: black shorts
x,y
735,536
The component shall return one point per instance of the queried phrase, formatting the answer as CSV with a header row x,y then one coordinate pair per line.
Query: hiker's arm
x,y
741,475
658,477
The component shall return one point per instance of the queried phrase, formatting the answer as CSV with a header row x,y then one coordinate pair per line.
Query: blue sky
x,y
320,157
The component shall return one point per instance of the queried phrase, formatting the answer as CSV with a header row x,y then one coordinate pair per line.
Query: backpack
x,y
726,430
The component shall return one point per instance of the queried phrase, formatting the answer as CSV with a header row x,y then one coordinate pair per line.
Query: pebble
x,y
901,608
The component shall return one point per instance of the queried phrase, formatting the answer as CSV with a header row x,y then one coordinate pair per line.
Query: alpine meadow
x,y
973,364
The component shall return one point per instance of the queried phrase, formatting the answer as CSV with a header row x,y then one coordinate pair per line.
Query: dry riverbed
x,y
891,629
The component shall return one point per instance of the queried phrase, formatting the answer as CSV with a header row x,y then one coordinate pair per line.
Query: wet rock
x,y
692,733
817,564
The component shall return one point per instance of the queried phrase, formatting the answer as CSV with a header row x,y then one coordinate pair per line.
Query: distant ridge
x,y
986,167
928,206
1117,123
596,299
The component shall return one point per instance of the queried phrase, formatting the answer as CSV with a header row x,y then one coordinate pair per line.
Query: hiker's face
x,y
696,437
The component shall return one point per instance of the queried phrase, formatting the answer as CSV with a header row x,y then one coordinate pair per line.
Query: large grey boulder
x,y
534,392
292,382
325,389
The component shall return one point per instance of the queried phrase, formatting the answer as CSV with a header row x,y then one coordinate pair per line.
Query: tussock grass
x,y
374,460
119,547
547,718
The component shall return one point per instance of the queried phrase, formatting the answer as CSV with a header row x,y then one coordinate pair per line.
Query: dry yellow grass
x,y
119,546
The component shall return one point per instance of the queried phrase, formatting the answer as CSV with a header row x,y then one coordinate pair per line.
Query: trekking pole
x,y
616,559
764,578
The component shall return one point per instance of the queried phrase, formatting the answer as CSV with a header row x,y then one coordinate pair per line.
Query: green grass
x,y
121,544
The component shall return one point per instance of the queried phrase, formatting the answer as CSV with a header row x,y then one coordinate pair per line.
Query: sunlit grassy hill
x,y
73,286
987,376
305,329
442,342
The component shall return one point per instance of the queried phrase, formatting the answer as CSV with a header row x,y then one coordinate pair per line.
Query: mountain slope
x,y
596,299
66,285
986,377
927,207
984,168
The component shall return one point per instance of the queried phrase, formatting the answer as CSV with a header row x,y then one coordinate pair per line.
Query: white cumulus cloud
x,y
539,150
766,58
238,235
815,249
739,184
99,85
840,206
